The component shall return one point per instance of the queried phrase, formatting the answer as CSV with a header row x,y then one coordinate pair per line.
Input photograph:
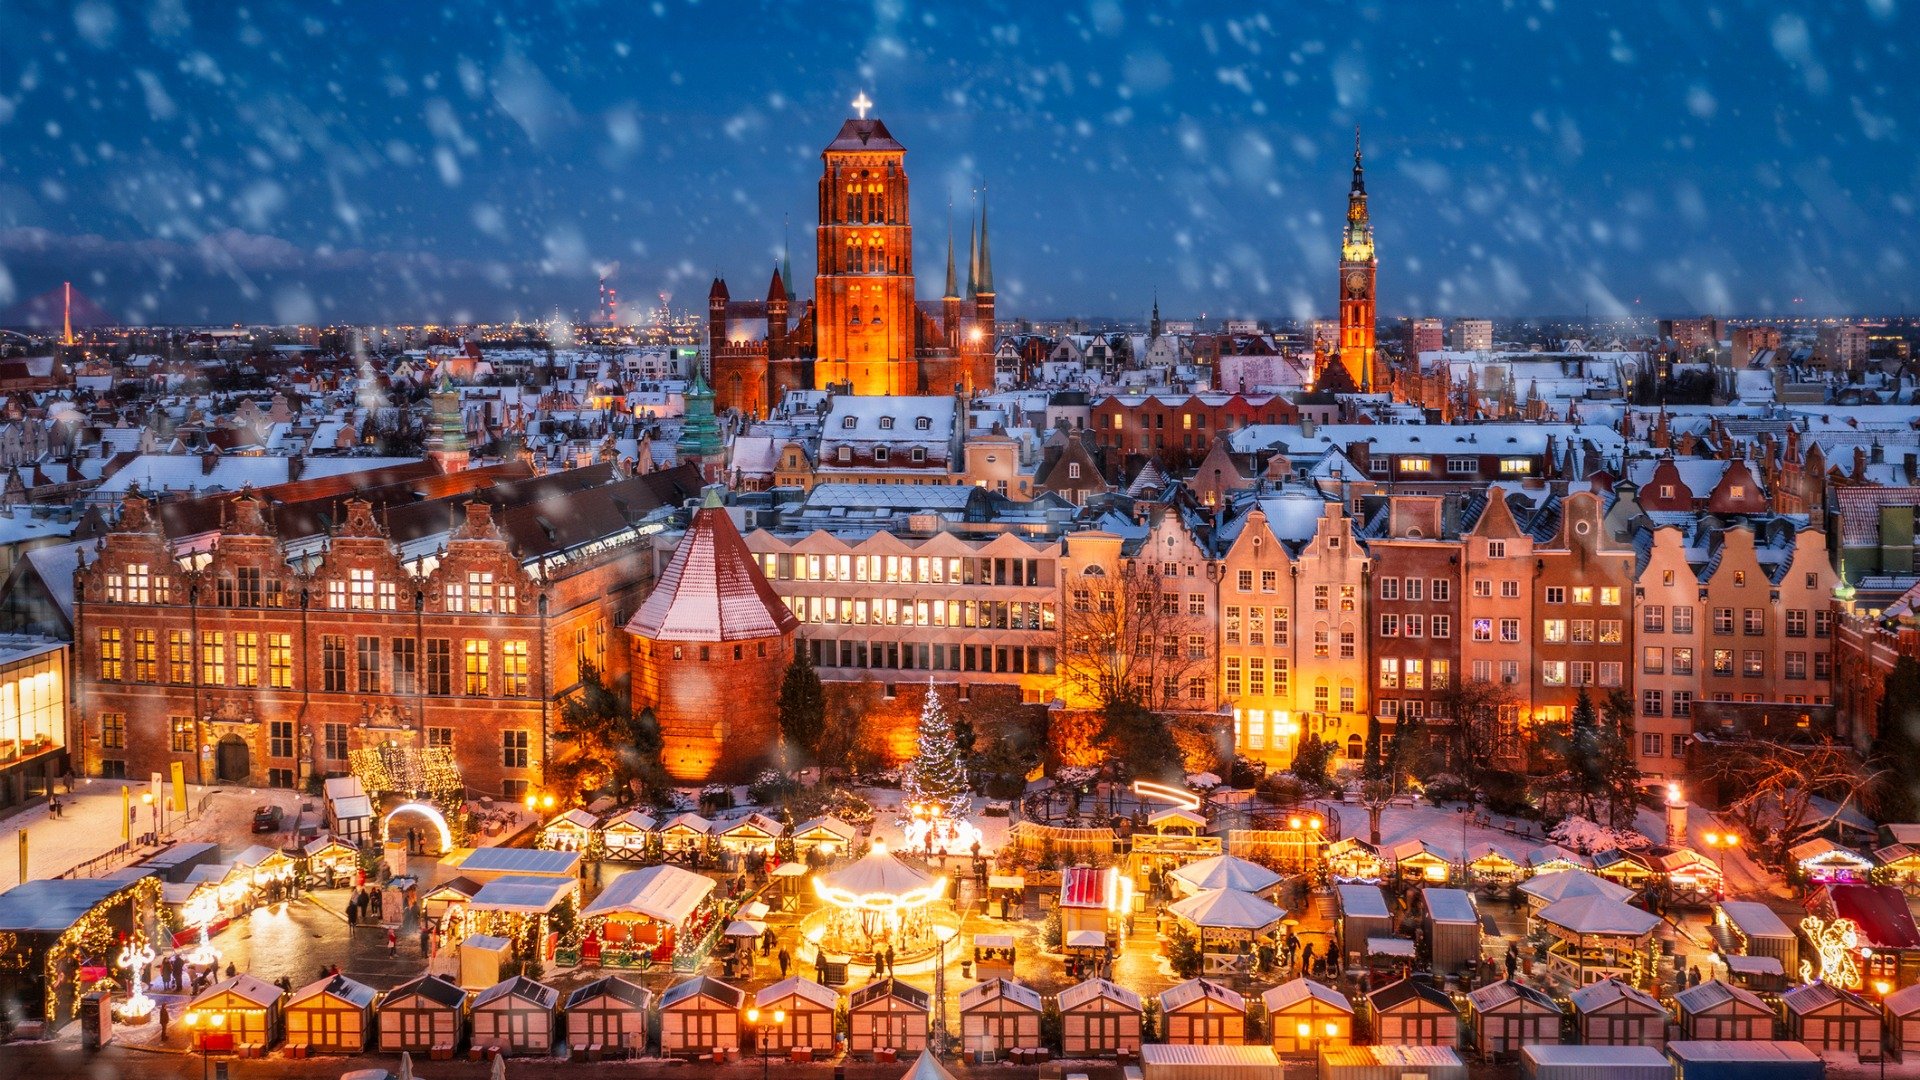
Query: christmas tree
x,y
937,776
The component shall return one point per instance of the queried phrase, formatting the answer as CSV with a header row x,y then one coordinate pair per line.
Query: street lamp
x,y
763,1033
147,797
1720,842
937,1035
216,1021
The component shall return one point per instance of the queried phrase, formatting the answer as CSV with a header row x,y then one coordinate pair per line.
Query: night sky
x,y
356,161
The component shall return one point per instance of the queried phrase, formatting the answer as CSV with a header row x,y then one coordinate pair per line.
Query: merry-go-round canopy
x,y
879,881
1227,872
1228,909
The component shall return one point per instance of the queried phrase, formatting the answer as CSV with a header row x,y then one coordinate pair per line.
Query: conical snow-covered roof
x,y
712,589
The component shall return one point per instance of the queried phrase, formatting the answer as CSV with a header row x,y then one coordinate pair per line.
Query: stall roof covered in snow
x,y
665,893
46,905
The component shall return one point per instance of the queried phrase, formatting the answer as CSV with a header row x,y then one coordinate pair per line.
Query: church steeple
x,y
973,259
951,293
986,251
1153,328
1357,271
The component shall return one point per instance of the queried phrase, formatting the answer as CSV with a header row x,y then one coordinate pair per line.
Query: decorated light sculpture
x,y
200,912
936,786
136,959
1836,943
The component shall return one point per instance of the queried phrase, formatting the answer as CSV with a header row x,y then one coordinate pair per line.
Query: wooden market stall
x,y
1090,903
333,1015
684,834
447,898
1099,1018
1304,1016
1628,869
755,832
999,1016
809,1023
482,956
1751,928
60,935
571,831
1900,1015
700,1016
1202,1012
487,863
647,908
1692,879
1413,1012
627,835
1493,870
1508,1015
1419,860
1820,861
887,1015
329,863
517,906
1616,1013
516,1016
994,955
1353,859
1452,925
1363,914
241,1013
1597,938
1887,940
1553,859
1823,1017
424,1016
1717,1011
608,1015
827,835
1899,867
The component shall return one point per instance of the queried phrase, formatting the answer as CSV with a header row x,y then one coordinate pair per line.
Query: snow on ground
x,y
1441,827
89,824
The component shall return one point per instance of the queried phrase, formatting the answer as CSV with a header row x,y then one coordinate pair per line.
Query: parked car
x,y
267,818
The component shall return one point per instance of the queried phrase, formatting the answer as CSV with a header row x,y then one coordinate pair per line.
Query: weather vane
x,y
861,104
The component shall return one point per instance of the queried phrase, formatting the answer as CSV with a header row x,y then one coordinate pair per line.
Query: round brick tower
x,y
710,646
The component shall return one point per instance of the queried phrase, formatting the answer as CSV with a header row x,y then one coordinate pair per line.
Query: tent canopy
x,y
877,874
1228,872
1228,909
1600,916
664,893
1565,884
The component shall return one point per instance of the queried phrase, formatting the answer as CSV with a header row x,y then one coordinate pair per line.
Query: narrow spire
x,y
786,255
1359,182
950,294
973,259
986,250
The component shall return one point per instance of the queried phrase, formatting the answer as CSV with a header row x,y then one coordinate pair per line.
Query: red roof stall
x,y
1088,897
1884,924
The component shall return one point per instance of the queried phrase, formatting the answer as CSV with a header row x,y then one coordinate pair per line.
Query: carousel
x,y
876,903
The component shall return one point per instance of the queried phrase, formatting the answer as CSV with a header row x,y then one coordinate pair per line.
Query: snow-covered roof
x,y
712,590
1289,994
155,473
665,893
1228,908
1227,872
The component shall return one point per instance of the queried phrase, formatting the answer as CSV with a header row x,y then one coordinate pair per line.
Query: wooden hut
x,y
685,832
517,1016
1751,928
1552,859
1492,869
1353,859
1820,861
1508,1015
809,1022
424,1016
451,895
828,835
1693,880
1419,861
647,908
1899,867
1304,1016
1413,1013
700,1016
887,1015
998,1016
333,1015
1452,924
241,1013
608,1015
1089,896
626,835
571,831
1901,1017
1823,1017
1099,1018
329,863
1200,1012
1717,1011
1616,1013
755,832
1363,914
1628,869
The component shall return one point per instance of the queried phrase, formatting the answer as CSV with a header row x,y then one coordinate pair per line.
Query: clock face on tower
x,y
1356,283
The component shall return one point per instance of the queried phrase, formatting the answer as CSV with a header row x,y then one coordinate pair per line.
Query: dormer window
x,y
848,422
886,423
919,453
879,454
846,455
923,423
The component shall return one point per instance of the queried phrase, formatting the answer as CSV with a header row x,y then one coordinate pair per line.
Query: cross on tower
x,y
861,104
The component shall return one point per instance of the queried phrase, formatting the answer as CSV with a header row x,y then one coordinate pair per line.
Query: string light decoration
x,y
135,958
94,934
200,912
409,771
1837,944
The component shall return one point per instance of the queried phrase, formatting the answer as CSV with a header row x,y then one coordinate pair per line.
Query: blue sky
x,y
355,161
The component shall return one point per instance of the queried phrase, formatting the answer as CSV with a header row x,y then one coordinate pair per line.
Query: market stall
x,y
1612,1012
628,835
1353,859
684,835
648,909
1508,1015
1542,890
60,937
1899,867
807,1009
330,863
1202,1012
446,898
1420,861
1227,872
1494,871
1413,1012
887,1015
700,1016
1091,902
1228,922
234,1014
1597,938
1751,928
1099,1018
422,1016
571,831
827,835
1822,1018
1452,925
754,833
482,957
1820,861
1629,869
1692,879
516,1016
608,1015
1363,914
1715,1010
998,1016
1552,859
1901,1016
333,1015
1304,1016
994,955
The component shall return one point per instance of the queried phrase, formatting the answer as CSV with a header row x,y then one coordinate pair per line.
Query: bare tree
x,y
1130,651
1480,724
1777,786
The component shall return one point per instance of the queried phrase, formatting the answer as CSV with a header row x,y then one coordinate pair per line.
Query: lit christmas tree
x,y
937,777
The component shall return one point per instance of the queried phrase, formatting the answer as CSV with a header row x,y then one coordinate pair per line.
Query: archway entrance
x,y
232,760
433,817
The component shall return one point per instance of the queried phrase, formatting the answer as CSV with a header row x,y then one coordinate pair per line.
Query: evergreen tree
x,y
937,776
803,704
611,747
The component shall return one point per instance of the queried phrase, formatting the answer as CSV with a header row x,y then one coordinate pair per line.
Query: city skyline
x,y
200,169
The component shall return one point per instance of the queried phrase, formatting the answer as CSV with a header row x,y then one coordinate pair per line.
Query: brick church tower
x,y
1357,267
709,646
866,326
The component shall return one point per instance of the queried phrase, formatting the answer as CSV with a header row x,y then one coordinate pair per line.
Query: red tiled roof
x,y
712,590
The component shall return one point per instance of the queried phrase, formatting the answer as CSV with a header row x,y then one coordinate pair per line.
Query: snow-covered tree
x,y
937,775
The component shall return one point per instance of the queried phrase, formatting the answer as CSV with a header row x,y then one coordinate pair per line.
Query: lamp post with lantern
x,y
215,1022
1719,842
763,1034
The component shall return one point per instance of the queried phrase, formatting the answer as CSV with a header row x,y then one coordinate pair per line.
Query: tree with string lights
x,y
937,776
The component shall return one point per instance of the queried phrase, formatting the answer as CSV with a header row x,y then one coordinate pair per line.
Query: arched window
x,y
1356,748
853,317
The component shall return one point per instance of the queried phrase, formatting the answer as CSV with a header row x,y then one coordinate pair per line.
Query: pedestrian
x,y
425,935
393,943
785,959
163,1021
890,958
1513,958
231,970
